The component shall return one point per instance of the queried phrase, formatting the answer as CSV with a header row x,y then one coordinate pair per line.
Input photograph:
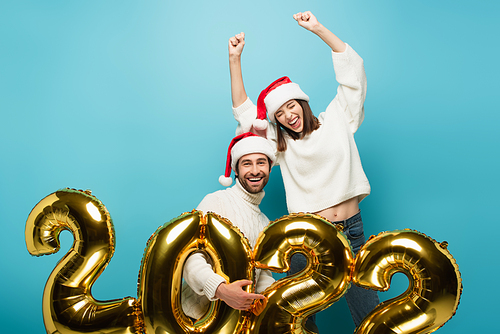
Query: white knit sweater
x,y
242,209
323,168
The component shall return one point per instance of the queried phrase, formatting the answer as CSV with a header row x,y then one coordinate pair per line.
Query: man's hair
x,y
310,122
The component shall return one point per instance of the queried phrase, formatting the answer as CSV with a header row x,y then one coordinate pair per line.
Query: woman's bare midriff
x,y
341,211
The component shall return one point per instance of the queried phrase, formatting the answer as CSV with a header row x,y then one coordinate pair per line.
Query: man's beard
x,y
251,190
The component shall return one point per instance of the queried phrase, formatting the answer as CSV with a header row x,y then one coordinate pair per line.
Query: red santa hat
x,y
273,97
246,143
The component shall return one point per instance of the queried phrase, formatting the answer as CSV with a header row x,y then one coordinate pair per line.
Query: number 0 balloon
x,y
161,272
69,307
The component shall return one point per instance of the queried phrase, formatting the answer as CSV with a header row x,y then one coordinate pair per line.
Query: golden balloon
x,y
161,273
324,280
431,299
435,283
68,305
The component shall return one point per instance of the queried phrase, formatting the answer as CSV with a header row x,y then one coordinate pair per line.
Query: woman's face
x,y
291,116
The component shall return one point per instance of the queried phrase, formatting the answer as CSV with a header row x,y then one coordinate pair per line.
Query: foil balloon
x,y
68,305
69,308
160,277
434,288
324,280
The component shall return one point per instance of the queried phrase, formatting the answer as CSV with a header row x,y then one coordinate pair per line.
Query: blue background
x,y
132,100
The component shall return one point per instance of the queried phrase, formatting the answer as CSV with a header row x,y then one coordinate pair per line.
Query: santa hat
x,y
273,97
246,143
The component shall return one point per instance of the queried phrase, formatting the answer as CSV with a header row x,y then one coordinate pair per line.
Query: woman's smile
x,y
290,116
295,122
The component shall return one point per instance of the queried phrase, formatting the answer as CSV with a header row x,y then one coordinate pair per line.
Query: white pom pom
x,y
225,181
260,124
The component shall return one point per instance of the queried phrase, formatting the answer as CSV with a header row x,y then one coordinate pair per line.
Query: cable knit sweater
x,y
242,209
323,168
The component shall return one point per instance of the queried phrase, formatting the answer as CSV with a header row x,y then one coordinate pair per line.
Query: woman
x,y
318,157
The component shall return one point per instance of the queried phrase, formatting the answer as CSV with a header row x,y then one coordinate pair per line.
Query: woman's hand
x,y
307,20
236,44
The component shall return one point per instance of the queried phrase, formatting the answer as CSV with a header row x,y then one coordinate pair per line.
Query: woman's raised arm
x,y
238,94
308,21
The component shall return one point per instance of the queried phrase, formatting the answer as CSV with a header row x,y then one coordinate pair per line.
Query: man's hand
x,y
236,44
234,296
306,20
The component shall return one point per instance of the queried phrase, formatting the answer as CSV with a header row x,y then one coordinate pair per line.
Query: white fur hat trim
x,y
281,94
251,145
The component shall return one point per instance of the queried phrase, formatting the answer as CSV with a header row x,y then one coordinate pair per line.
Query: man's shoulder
x,y
217,194
214,201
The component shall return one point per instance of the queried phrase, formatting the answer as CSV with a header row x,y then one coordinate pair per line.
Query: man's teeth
x,y
255,179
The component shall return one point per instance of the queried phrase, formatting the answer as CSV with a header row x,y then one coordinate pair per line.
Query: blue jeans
x,y
360,301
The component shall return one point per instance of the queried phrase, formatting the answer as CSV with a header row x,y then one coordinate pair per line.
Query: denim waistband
x,y
349,221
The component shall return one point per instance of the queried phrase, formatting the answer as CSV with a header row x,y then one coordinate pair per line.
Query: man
x,y
251,158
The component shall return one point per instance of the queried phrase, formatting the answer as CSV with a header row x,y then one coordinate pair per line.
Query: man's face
x,y
253,172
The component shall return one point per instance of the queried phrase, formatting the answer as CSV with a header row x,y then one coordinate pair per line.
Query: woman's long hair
x,y
310,121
